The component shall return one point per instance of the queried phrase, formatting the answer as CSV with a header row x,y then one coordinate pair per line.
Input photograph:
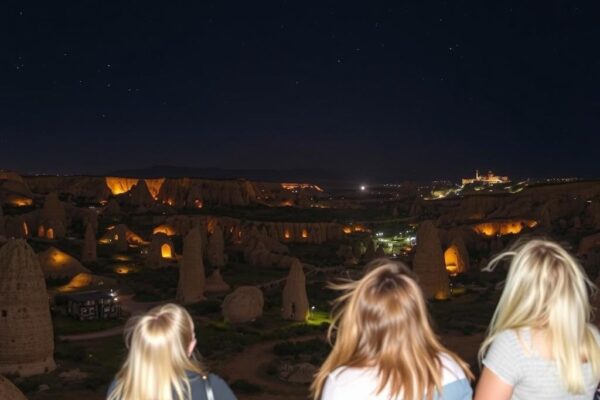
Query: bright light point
x,y
312,308
363,188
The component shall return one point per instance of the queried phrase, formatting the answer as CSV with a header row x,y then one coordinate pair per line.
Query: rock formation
x,y
8,391
191,270
215,283
88,281
245,304
140,195
16,227
26,335
14,191
295,300
216,248
121,237
88,253
161,251
429,264
53,218
456,257
58,264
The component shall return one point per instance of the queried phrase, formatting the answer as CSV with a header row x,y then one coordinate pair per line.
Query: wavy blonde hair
x,y
547,289
381,321
157,364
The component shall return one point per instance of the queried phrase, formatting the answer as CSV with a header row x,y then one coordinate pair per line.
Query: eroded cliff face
x,y
178,192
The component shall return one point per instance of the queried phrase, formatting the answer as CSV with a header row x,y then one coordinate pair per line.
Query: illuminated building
x,y
489,179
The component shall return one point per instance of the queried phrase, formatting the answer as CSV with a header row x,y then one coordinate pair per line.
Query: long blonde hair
x,y
547,289
158,362
381,322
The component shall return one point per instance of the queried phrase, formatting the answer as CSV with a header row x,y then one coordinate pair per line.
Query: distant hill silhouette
x,y
275,175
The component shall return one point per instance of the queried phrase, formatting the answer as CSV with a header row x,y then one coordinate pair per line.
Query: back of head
x,y
157,364
382,322
547,289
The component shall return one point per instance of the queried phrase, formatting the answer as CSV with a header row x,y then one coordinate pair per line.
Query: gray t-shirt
x,y
530,375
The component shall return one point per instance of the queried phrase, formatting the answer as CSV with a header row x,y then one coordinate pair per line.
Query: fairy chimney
x,y
429,264
26,335
191,270
295,300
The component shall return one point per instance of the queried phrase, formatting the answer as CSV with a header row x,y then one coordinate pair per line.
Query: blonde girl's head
x,y
381,322
160,348
547,289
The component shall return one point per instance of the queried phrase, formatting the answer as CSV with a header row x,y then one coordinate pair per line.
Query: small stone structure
x,y
245,304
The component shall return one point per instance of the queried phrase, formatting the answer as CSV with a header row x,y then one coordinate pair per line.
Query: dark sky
x,y
378,90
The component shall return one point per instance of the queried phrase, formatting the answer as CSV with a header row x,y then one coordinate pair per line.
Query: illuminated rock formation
x,y
191,270
53,218
121,237
26,335
118,185
429,264
215,283
14,191
295,300
166,229
216,248
16,227
195,198
502,228
244,304
88,253
8,391
161,251
456,257
58,264
88,281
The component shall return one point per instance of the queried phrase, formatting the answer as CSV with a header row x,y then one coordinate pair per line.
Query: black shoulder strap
x,y
208,387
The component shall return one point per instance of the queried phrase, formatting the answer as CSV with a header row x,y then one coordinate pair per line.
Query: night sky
x,y
384,91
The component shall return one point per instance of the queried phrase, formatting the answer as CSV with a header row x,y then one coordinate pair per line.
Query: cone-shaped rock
x,y
8,391
58,264
140,195
216,248
429,264
245,304
88,253
215,283
53,217
295,300
191,270
26,335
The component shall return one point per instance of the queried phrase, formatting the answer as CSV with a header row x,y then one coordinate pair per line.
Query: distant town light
x,y
363,188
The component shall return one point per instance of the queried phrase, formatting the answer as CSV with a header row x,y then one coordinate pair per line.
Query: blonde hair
x,y
547,289
157,364
381,321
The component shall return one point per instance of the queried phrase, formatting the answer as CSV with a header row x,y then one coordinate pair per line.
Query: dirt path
x,y
248,366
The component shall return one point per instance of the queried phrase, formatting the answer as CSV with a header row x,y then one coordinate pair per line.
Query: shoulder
x,y
350,384
451,370
220,388
511,340
455,384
